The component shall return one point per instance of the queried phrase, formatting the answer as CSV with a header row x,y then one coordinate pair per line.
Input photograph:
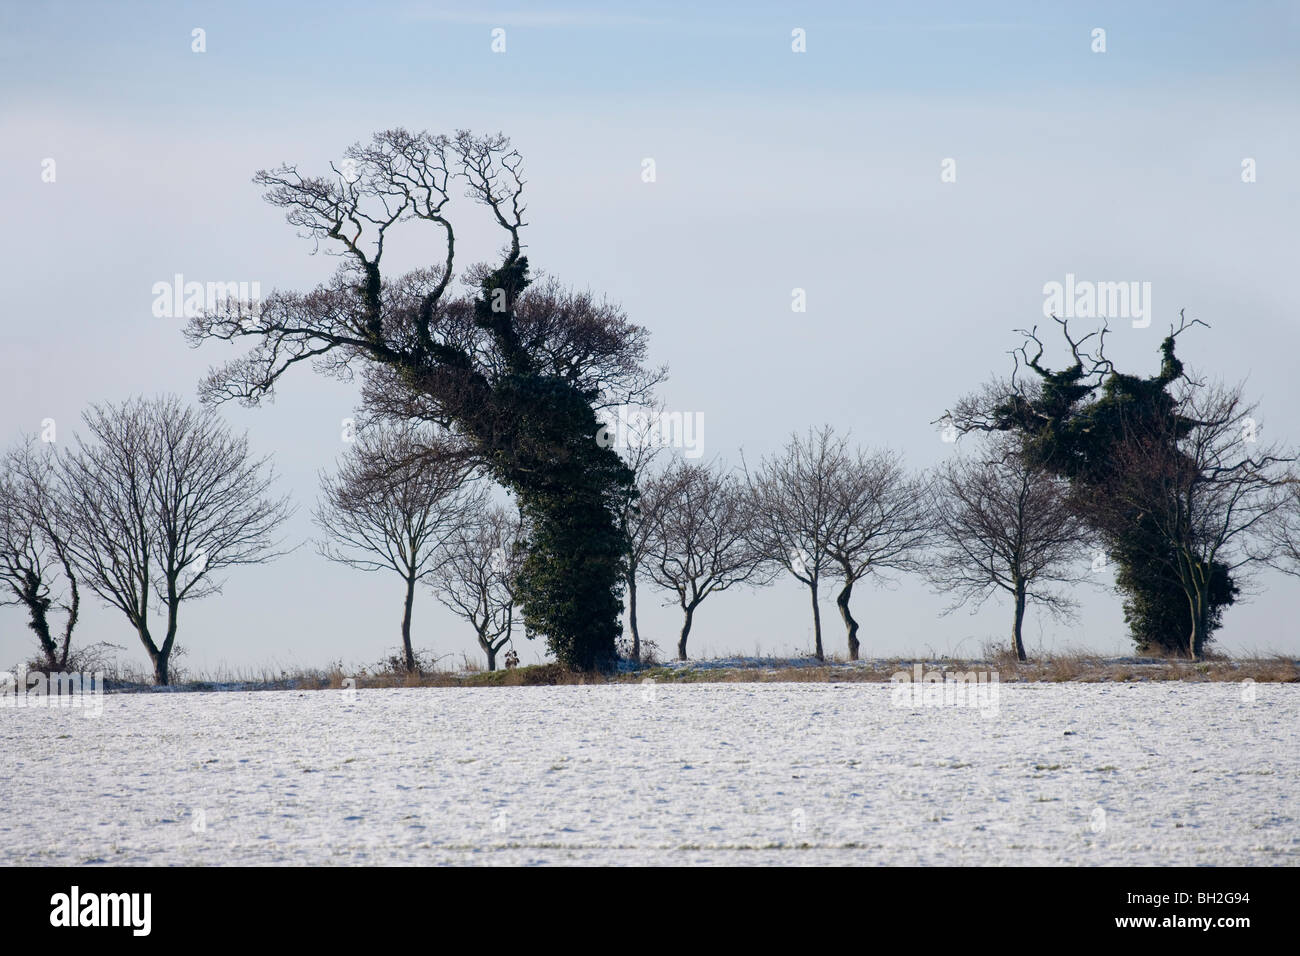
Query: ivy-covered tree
x,y
1073,421
1208,498
36,569
516,371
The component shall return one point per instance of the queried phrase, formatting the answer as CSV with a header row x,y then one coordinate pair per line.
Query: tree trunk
x,y
1017,638
1196,586
686,630
406,625
817,623
1200,625
569,584
842,601
161,676
38,608
491,653
631,616
74,606
160,657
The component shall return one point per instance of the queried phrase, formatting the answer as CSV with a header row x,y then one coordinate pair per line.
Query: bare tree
x,y
399,495
1003,524
477,579
1211,493
701,541
1284,530
638,508
880,521
35,564
792,499
160,497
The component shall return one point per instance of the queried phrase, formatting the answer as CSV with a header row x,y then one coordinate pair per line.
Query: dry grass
x,y
1069,666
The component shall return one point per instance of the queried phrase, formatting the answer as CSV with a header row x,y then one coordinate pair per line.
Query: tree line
x,y
155,500
492,381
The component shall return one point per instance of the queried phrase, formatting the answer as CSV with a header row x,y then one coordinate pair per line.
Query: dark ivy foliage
x,y
567,487
510,375
1070,427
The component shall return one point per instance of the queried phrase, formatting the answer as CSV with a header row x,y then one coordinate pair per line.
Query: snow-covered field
x,y
1149,773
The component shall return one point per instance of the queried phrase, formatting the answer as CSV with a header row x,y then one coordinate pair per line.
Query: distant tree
x,y
1285,530
637,510
478,579
1207,489
880,521
1071,420
1004,524
399,495
35,564
518,370
792,499
159,497
701,542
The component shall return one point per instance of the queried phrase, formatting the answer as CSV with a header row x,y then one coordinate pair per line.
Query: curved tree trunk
x,y
406,625
817,623
1017,638
74,609
74,603
686,630
38,608
1196,586
842,602
631,616
160,657
1200,625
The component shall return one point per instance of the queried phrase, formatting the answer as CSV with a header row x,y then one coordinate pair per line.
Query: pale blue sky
x,y
776,170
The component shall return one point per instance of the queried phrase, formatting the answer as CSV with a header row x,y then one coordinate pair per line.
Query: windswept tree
x,y
1208,490
880,521
792,499
159,499
35,563
515,370
477,579
1072,420
399,495
701,542
1004,524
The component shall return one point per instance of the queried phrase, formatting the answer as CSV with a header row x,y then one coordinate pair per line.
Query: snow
x,y
785,773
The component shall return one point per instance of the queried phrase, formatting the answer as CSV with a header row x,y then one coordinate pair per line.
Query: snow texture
x,y
794,774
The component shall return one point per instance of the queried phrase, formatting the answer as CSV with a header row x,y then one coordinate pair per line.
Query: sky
x,y
829,170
